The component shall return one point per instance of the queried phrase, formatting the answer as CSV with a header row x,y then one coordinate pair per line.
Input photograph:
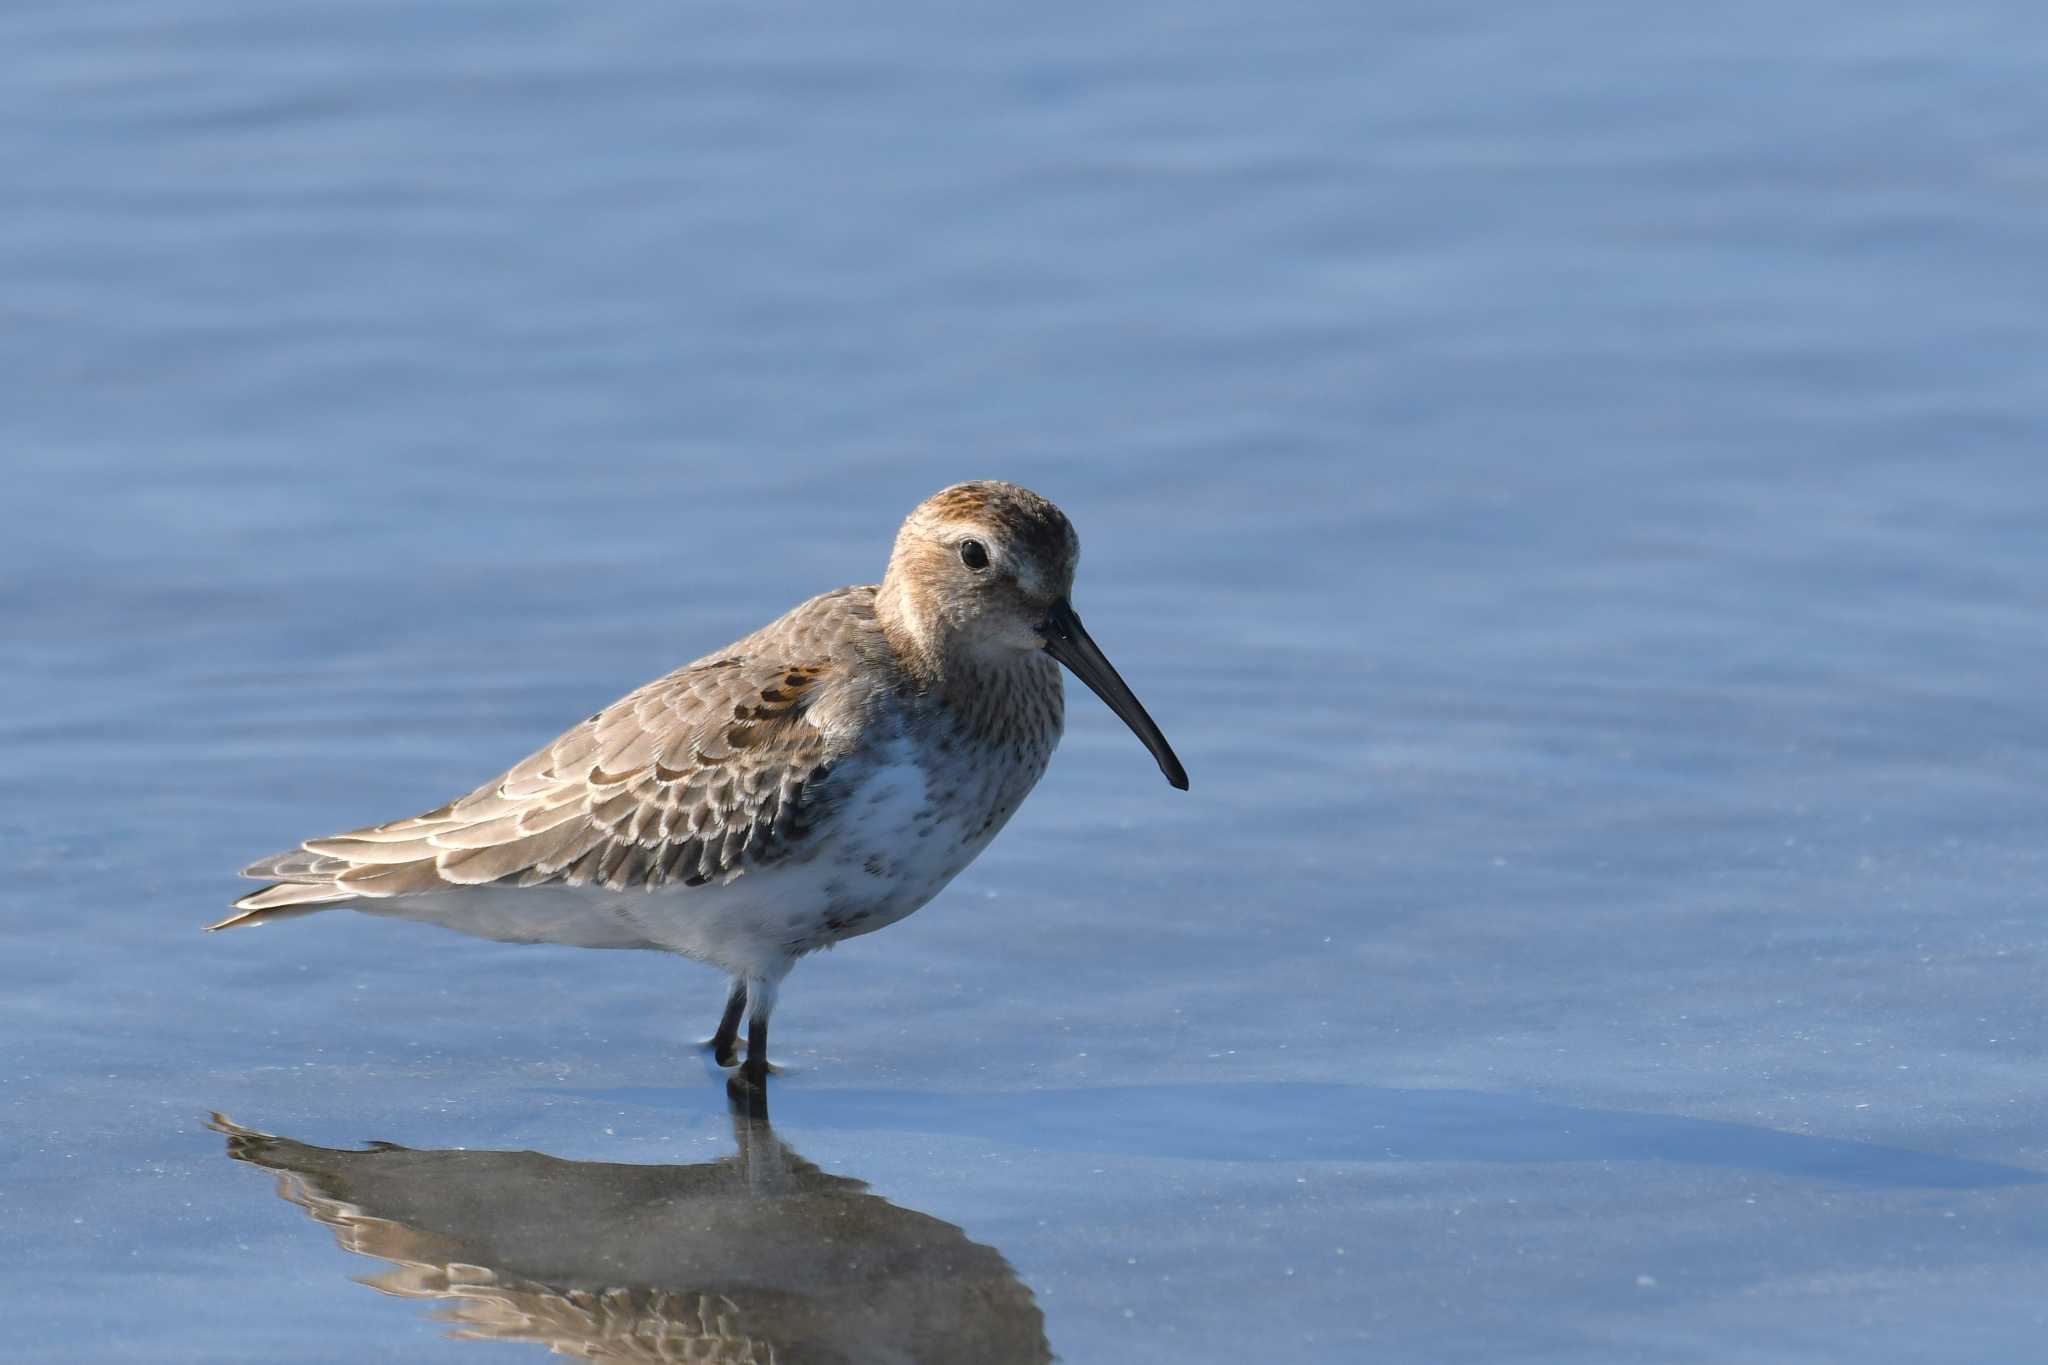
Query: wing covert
x,y
691,779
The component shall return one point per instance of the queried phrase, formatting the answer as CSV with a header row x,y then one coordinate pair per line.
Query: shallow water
x,y
1568,482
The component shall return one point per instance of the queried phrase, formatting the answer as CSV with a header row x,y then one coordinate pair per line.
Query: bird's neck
x,y
1012,701
998,696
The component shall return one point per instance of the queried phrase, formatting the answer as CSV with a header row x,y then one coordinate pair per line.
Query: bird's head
x,y
984,571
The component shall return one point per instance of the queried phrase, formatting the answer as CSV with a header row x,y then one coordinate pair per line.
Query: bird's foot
x,y
730,1057
755,1073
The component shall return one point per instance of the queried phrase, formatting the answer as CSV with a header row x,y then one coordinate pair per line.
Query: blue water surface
x,y
1568,479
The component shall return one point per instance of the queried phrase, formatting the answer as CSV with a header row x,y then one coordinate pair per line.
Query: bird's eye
x,y
973,554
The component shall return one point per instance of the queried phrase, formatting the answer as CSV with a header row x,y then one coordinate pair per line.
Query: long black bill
x,y
1067,641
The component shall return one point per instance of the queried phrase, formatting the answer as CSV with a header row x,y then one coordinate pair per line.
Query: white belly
x,y
890,848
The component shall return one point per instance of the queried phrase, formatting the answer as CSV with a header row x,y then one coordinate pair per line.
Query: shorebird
x,y
819,779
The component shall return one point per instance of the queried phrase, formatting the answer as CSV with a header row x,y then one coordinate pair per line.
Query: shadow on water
x,y
762,1256
1280,1121
758,1256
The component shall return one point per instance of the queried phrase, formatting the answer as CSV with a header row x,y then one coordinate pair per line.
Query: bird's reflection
x,y
757,1257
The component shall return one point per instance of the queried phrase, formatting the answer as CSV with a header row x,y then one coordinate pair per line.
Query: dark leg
x,y
725,1042
756,1070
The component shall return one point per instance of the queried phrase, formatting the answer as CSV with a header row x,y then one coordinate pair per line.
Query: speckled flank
x,y
821,778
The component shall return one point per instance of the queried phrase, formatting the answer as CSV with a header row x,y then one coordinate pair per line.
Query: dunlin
x,y
823,777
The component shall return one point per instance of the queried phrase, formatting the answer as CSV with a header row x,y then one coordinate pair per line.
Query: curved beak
x,y
1066,641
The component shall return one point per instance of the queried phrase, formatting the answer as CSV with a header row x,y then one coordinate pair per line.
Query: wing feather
x,y
723,765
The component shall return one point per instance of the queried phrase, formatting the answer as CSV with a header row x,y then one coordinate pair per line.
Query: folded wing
x,y
721,766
